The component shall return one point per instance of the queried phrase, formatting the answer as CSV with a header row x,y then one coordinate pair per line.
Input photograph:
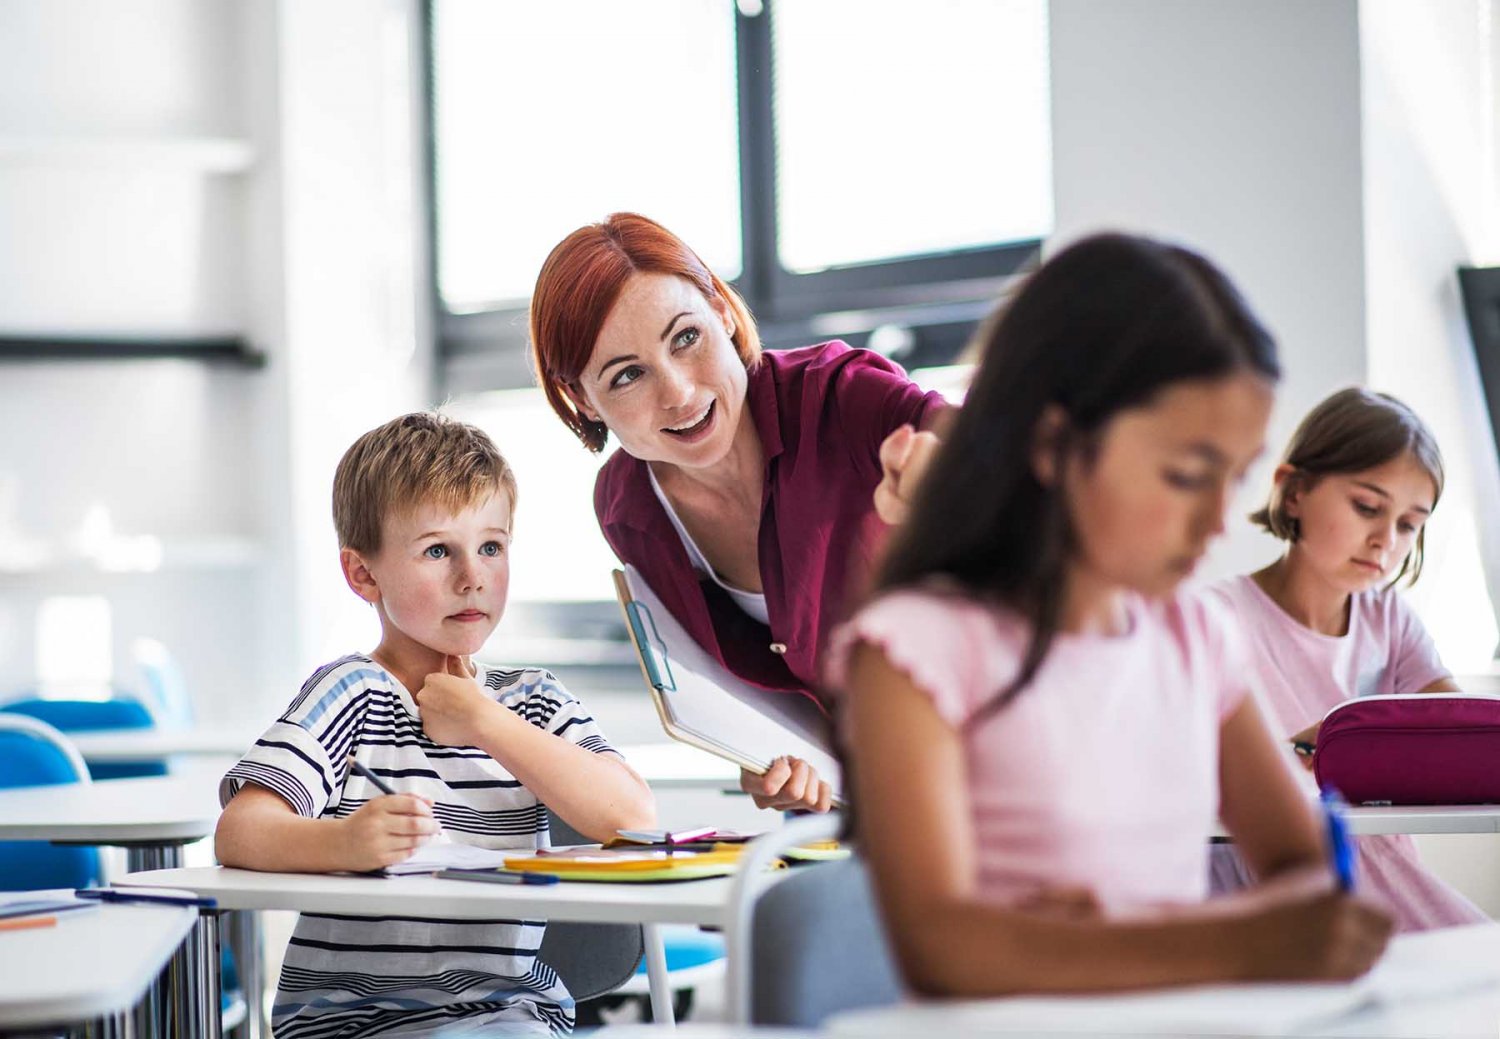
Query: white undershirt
x,y
752,603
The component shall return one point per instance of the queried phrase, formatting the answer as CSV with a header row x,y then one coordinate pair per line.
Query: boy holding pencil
x,y
423,506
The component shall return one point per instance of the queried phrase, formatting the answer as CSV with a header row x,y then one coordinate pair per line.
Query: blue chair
x,y
93,715
33,753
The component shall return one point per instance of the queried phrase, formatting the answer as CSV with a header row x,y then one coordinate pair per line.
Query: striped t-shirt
x,y
352,976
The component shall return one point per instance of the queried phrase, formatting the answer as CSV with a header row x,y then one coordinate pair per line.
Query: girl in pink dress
x,y
1041,730
1324,622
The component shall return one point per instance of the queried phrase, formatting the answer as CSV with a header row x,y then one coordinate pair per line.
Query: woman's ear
x,y
580,401
358,576
1046,437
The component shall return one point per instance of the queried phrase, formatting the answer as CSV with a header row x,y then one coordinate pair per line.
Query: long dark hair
x,y
1101,327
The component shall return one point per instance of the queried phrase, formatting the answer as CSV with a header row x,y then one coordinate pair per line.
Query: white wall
x,y
1232,127
311,249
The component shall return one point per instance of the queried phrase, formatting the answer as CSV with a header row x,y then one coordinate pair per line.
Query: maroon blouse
x,y
822,413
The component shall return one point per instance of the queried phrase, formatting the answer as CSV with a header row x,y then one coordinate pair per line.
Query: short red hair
x,y
578,286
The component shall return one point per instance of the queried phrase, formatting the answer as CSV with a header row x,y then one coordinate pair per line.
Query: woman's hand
x,y
904,458
386,830
451,704
790,784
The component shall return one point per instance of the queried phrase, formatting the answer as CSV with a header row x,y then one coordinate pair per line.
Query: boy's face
x,y
440,579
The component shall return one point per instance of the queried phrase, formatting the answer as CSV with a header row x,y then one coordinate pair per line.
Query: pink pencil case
x,y
1412,749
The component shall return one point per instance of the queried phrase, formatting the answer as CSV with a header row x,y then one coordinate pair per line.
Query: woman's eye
x,y
435,551
625,376
491,548
1406,527
1365,510
687,337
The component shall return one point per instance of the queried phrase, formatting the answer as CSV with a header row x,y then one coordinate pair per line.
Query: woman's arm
x,y
1260,803
258,830
916,830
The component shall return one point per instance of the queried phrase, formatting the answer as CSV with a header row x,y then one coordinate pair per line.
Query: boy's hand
x,y
385,830
451,704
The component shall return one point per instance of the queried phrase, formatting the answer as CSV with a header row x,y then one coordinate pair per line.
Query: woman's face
x,y
664,375
1152,496
1355,529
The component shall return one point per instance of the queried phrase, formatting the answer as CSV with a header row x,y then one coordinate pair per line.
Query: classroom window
x,y
857,158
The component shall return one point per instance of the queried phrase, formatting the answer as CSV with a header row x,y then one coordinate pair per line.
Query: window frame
x,y
938,297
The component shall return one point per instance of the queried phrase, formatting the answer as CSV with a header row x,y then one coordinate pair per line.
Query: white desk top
x,y
1425,819
112,745
159,808
1473,1011
689,902
94,962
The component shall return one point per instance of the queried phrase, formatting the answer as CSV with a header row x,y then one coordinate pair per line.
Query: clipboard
x,y
700,703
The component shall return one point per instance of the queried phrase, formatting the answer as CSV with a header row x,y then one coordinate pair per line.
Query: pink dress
x,y
1299,674
1103,772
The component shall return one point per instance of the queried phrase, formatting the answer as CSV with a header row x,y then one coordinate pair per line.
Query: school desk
x,y
111,746
92,966
700,902
1368,820
1473,1010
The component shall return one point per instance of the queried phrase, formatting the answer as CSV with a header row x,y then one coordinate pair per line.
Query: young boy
x,y
423,509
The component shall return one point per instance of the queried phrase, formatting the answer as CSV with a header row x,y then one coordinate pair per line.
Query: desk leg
x,y
242,935
656,974
193,982
140,857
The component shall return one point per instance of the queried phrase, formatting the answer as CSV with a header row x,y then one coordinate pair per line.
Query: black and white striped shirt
x,y
351,976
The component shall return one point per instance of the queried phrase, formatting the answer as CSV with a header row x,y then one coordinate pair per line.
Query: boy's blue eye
x,y
491,548
435,551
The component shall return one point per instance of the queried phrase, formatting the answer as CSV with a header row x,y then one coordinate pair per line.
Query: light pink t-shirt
x,y
1298,675
1103,772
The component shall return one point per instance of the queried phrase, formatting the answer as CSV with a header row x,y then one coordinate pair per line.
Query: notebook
x,y
1406,974
702,704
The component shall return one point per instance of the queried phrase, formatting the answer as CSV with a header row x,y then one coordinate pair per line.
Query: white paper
x,y
446,854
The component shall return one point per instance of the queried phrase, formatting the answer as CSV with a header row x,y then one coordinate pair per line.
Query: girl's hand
x,y
385,830
1063,903
790,784
904,458
1307,737
1331,937
451,704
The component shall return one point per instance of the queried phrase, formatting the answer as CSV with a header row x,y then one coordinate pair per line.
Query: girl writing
x,y
1041,728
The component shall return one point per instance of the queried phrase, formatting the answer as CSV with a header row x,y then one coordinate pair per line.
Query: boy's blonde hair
x,y
1353,430
418,459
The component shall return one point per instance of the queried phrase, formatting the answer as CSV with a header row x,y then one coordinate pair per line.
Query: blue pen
x,y
1340,846
114,895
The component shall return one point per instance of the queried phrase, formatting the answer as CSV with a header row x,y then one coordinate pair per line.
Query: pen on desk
x,y
105,894
1340,846
26,923
499,876
380,784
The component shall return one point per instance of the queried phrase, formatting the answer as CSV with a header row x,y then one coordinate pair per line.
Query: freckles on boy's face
x,y
443,577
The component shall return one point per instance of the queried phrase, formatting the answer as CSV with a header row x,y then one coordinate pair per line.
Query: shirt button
x,y
779,648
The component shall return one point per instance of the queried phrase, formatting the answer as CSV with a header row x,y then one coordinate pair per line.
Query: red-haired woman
x,y
751,489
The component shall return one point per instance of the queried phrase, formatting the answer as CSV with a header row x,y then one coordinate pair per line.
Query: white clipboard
x,y
702,704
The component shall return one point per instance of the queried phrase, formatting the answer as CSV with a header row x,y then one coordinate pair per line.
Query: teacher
x,y
751,489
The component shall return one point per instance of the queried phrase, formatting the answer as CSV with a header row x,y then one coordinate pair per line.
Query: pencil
x,y
380,784
22,923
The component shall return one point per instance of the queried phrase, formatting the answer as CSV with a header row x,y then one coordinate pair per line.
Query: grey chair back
x,y
818,948
591,959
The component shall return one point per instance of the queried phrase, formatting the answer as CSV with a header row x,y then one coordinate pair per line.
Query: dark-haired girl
x,y
1041,729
